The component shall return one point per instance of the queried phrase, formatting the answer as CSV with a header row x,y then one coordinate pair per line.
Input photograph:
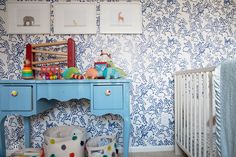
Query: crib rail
x,y
193,112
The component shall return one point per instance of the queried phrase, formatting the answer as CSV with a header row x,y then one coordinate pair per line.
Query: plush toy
x,y
91,73
113,72
77,76
104,57
72,73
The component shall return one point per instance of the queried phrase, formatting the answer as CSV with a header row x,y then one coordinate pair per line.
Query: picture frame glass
x,y
28,18
117,17
74,18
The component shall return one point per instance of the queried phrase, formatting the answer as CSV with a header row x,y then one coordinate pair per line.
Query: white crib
x,y
194,111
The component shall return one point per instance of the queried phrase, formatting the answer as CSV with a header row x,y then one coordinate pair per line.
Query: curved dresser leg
x,y
126,136
2,136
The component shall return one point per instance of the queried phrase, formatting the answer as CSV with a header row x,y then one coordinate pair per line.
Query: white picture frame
x,y
120,18
233,3
230,2
28,18
74,18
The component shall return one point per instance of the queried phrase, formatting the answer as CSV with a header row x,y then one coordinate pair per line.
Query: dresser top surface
x,y
65,81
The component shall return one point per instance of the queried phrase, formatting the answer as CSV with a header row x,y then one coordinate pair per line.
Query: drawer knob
x,y
107,92
14,93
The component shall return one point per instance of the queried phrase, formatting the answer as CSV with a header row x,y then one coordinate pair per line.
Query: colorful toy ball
x,y
27,72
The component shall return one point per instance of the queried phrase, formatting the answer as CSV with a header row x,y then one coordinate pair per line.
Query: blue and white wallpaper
x,y
177,34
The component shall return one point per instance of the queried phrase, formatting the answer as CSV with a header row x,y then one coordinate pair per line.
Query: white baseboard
x,y
149,149
135,149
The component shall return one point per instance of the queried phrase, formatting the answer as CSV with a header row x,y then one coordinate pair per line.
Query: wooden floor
x,y
153,154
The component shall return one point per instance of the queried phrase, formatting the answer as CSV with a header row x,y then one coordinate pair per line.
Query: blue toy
x,y
108,70
111,73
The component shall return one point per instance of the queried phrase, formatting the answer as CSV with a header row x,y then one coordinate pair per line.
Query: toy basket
x,y
101,146
64,141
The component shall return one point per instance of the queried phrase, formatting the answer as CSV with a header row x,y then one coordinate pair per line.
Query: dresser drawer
x,y
16,98
108,97
63,92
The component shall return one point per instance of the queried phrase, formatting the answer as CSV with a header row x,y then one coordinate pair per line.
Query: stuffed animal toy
x,y
72,73
113,72
104,57
91,73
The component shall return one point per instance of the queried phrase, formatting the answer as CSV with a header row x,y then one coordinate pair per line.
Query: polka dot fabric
x,y
96,148
64,141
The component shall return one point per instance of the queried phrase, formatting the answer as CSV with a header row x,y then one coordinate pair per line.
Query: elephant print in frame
x,y
74,18
28,17
230,3
121,18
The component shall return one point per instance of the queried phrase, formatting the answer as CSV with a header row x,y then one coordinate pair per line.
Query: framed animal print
x,y
120,17
28,17
230,2
74,18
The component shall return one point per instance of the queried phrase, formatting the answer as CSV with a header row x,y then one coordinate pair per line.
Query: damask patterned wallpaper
x,y
177,34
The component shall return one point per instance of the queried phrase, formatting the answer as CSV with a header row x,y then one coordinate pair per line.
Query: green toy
x,y
70,72
113,72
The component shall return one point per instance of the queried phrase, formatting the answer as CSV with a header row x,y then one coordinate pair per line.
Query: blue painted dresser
x,y
30,97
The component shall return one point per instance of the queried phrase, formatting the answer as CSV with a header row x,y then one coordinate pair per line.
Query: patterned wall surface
x,y
177,34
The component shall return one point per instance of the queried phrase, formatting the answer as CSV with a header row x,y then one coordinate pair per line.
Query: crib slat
x,y
206,92
181,109
185,104
195,114
187,108
200,115
176,108
191,112
177,86
211,115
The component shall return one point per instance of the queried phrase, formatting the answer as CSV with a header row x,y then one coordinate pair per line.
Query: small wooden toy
x,y
27,72
36,61
50,72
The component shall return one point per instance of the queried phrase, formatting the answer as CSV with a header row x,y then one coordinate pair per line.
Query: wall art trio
x,y
73,18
